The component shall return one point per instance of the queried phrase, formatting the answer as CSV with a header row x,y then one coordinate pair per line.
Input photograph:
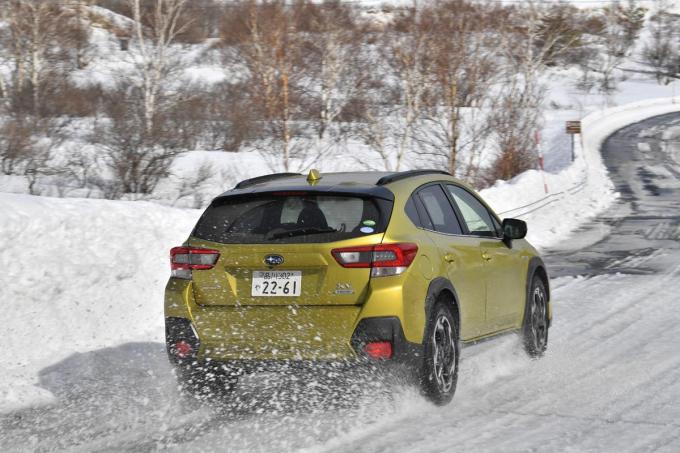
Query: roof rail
x,y
409,174
258,179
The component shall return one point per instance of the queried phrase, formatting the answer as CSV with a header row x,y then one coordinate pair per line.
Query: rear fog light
x,y
379,350
182,349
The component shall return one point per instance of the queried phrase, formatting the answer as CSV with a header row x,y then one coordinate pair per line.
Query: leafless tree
x,y
136,157
465,65
333,58
27,147
142,134
515,120
15,143
35,28
272,55
389,125
154,33
38,41
618,29
662,51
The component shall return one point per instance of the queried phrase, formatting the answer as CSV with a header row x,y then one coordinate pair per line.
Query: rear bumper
x,y
258,335
239,362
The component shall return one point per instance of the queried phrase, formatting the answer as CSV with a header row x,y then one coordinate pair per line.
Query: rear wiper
x,y
301,232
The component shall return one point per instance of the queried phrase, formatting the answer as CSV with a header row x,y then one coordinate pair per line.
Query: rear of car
x,y
282,274
346,268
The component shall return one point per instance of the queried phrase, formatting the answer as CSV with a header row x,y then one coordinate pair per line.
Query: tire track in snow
x,y
610,380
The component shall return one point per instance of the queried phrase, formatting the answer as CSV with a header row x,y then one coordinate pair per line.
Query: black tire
x,y
439,371
536,324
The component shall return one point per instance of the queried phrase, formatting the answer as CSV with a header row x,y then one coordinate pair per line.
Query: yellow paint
x,y
232,324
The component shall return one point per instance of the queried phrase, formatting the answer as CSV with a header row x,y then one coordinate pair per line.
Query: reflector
x,y
182,349
378,350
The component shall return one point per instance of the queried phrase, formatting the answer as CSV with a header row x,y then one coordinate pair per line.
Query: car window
x,y
338,211
477,218
412,212
439,210
291,218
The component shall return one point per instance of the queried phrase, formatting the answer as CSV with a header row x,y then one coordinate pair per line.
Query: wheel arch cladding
x,y
537,268
442,289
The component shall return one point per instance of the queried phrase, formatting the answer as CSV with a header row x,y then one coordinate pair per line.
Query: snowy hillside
x,y
211,132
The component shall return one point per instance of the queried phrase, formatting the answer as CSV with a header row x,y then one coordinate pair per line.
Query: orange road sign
x,y
573,127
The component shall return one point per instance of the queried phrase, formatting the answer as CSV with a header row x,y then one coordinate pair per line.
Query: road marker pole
x,y
537,140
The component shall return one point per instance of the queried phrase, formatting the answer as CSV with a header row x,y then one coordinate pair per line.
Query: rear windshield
x,y
291,218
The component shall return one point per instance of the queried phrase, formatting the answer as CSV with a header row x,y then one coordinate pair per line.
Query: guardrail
x,y
546,201
597,126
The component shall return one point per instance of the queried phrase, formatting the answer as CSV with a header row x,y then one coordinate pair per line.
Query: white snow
x,y
83,274
78,275
584,395
580,191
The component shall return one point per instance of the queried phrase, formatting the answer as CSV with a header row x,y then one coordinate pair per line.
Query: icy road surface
x,y
610,380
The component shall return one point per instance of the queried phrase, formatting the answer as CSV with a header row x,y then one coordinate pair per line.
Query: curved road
x,y
641,233
609,382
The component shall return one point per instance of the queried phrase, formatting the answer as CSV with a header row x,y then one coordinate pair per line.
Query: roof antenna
x,y
313,176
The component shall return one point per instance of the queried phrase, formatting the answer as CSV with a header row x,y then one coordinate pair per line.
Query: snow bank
x,y
580,191
82,274
79,275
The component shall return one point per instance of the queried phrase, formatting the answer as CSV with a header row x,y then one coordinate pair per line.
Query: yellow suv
x,y
348,268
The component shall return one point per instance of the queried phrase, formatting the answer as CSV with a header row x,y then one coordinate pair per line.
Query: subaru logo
x,y
273,260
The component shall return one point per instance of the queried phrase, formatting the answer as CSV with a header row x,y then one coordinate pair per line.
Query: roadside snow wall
x,y
78,275
82,274
580,191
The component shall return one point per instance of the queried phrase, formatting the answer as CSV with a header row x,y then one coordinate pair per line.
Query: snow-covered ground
x,y
78,275
83,274
587,391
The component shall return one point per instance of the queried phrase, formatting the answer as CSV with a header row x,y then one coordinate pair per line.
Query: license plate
x,y
276,283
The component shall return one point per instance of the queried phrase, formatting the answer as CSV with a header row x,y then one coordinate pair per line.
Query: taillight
x,y
383,259
185,259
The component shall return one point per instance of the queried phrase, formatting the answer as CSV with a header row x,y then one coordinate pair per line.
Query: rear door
x,y
459,255
275,248
502,264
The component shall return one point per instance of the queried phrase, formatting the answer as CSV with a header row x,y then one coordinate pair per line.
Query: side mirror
x,y
514,229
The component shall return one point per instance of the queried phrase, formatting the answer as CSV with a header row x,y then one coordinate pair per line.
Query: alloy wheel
x,y
444,354
539,319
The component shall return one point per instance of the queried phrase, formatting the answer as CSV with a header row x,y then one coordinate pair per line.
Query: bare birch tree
x,y
619,27
334,59
389,124
35,29
662,51
272,55
140,146
154,33
465,66
517,110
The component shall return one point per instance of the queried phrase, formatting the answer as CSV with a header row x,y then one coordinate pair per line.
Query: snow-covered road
x,y
609,382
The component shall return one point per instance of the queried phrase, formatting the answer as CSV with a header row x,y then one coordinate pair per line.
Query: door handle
x,y
449,257
486,256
